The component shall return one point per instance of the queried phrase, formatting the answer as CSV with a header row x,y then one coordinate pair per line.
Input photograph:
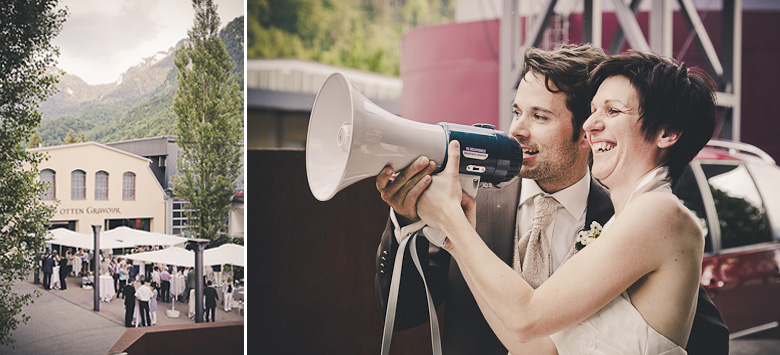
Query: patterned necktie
x,y
532,257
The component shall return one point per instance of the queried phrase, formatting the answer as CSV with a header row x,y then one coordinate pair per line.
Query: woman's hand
x,y
443,199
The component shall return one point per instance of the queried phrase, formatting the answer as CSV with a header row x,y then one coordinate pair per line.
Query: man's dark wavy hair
x,y
567,68
671,96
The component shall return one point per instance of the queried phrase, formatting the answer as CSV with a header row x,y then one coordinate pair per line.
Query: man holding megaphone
x,y
531,222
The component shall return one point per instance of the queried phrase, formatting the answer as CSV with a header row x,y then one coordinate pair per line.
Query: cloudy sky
x,y
103,38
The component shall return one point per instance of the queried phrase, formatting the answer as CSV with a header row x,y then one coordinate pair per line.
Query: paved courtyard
x,y
63,321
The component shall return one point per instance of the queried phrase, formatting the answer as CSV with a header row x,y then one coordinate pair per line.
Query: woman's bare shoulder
x,y
661,215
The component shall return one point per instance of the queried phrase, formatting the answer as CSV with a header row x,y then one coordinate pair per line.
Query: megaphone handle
x,y
392,300
469,184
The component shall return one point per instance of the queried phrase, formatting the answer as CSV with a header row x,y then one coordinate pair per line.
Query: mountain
x,y
138,105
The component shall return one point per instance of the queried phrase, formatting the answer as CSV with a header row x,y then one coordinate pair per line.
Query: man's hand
x,y
445,195
402,191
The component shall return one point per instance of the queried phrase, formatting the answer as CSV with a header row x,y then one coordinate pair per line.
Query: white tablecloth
x,y
177,285
76,266
107,292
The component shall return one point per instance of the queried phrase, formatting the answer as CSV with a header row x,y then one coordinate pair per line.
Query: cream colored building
x,y
100,185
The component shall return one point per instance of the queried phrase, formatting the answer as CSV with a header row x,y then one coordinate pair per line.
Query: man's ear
x,y
667,138
583,140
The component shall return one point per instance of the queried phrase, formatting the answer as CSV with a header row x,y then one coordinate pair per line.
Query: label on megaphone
x,y
485,153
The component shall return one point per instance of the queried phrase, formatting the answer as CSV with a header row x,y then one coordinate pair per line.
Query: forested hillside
x,y
138,106
362,34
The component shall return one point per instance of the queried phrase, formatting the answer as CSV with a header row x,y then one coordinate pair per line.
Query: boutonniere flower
x,y
587,236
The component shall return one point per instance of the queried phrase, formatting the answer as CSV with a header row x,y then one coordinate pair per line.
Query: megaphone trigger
x,y
469,183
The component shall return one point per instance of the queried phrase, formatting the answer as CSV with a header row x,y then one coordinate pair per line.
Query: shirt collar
x,y
573,198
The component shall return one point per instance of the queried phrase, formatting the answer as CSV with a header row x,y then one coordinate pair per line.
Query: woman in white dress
x,y
227,294
633,289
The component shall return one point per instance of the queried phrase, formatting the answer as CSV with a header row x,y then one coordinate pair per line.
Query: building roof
x,y
292,84
82,144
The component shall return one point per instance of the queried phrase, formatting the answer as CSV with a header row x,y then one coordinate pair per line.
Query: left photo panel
x,y
122,176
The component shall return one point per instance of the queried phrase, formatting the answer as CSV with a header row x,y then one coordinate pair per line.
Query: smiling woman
x,y
638,283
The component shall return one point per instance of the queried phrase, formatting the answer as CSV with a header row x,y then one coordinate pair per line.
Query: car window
x,y
687,190
768,181
741,213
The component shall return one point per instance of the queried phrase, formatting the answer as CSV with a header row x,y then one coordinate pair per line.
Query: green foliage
x,y
233,38
35,141
71,137
26,53
208,106
119,115
362,34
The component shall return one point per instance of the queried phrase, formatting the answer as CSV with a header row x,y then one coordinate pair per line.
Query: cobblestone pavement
x,y
64,322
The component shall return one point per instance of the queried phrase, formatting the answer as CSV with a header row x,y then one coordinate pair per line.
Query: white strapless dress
x,y
619,328
616,329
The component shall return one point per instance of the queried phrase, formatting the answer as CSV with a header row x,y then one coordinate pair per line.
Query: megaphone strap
x,y
392,301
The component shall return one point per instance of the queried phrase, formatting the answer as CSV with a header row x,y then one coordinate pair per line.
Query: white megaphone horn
x,y
350,138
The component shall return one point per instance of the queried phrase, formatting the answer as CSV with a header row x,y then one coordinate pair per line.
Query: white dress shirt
x,y
569,219
561,233
144,293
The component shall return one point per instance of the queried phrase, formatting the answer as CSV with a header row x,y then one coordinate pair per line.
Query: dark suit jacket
x,y
465,330
48,265
211,297
129,293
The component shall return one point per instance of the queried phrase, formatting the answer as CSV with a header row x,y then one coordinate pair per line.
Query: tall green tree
x,y
26,56
35,141
209,111
71,137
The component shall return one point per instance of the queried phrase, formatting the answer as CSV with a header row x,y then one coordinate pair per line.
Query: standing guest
x,y
69,258
122,277
165,284
144,294
48,268
156,275
85,261
153,303
132,271
227,293
211,301
190,275
128,293
63,273
147,270
115,274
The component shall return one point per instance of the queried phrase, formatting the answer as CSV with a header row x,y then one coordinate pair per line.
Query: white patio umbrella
x,y
135,237
171,256
232,254
69,238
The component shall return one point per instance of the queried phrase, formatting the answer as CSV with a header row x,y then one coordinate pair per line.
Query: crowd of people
x,y
141,285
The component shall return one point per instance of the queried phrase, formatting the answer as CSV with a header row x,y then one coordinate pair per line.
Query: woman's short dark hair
x,y
671,96
568,68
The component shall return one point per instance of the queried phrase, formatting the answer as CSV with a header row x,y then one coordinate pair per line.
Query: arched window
x,y
101,185
128,186
49,177
78,185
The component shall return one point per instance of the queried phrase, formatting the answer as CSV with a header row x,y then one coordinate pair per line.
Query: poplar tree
x,y
209,109
26,79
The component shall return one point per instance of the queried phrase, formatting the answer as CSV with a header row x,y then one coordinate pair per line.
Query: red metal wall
x,y
450,72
